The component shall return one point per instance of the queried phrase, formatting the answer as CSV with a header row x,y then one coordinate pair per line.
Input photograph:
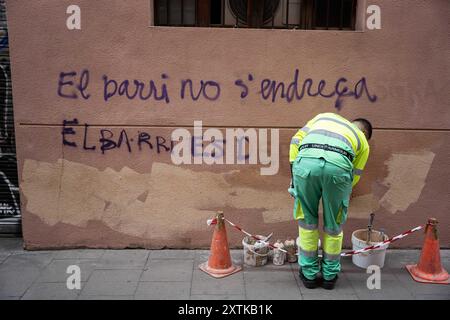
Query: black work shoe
x,y
329,284
309,284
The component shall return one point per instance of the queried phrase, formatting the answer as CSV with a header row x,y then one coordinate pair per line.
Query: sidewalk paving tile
x,y
56,271
80,254
172,254
9,297
81,297
391,287
433,296
11,245
272,290
218,297
123,259
50,291
201,255
115,275
163,290
174,274
14,282
109,288
319,295
418,288
204,284
168,270
267,274
26,260
4,256
398,258
20,271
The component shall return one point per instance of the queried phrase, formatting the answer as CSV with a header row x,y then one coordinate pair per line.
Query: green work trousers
x,y
315,178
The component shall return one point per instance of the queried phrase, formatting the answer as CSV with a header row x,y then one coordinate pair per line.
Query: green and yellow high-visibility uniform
x,y
320,173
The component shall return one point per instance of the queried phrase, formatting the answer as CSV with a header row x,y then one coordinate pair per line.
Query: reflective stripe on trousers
x,y
332,244
309,240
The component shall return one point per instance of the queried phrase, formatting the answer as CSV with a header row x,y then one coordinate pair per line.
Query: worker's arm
x,y
296,140
293,149
359,163
295,143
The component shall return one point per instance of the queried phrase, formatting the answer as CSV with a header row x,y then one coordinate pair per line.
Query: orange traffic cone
x,y
429,268
219,264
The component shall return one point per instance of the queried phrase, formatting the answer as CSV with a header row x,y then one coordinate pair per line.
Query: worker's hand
x,y
291,191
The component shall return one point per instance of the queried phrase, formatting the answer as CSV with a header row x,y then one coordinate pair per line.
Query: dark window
x,y
253,13
334,14
216,11
298,14
175,12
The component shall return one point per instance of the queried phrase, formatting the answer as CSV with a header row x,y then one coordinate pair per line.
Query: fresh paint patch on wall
x,y
406,179
142,205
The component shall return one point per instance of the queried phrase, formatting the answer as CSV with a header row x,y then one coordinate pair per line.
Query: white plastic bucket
x,y
255,256
372,257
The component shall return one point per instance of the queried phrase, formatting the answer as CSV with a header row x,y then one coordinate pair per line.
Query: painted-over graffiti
x,y
82,136
104,140
9,191
200,147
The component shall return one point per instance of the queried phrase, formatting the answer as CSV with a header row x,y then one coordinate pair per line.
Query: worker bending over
x,y
327,158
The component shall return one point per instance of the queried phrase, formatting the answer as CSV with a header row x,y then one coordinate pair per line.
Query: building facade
x,y
136,120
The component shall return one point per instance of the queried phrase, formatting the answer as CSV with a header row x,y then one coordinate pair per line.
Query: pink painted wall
x,y
74,197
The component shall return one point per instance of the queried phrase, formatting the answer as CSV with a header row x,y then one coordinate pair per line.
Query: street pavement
x,y
174,274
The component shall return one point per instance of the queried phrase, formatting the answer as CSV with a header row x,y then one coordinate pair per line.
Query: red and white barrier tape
x,y
343,254
214,221
381,244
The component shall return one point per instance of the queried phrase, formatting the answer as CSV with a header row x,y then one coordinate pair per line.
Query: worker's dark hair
x,y
367,126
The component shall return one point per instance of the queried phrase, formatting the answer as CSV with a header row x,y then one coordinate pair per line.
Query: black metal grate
x,y
296,14
9,186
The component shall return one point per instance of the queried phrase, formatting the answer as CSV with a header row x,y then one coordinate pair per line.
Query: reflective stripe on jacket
x,y
332,129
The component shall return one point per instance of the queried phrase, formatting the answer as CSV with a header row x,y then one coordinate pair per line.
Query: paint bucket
x,y
278,257
255,253
372,257
291,248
